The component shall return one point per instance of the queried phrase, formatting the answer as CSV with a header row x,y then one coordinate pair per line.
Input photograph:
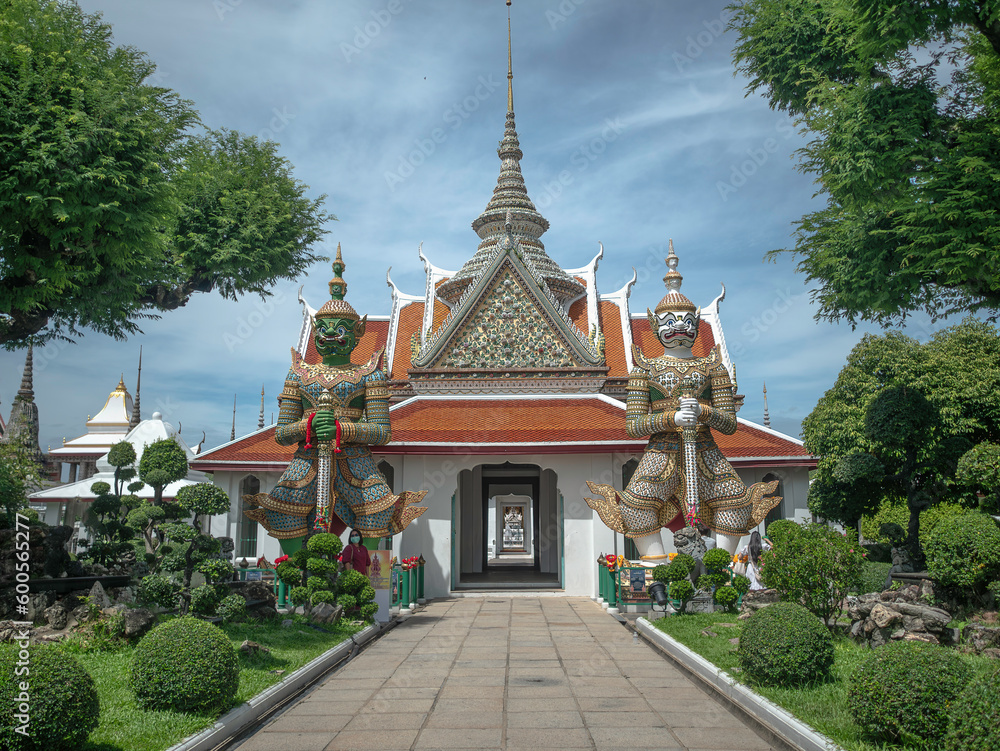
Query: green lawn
x,y
126,727
822,706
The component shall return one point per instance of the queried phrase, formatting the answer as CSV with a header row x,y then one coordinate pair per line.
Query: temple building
x,y
508,382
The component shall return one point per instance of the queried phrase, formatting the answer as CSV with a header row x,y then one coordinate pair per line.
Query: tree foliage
x,y
900,420
18,477
112,207
903,104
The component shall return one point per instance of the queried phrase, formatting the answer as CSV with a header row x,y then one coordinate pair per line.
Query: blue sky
x,y
633,127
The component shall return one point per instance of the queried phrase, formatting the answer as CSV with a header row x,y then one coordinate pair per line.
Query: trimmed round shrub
x,y
903,691
899,513
964,551
298,595
367,594
713,579
324,595
185,664
726,597
347,602
717,558
232,609
741,584
873,576
63,709
317,584
320,567
352,582
785,644
682,590
975,717
679,568
325,544
369,610
289,573
157,589
204,599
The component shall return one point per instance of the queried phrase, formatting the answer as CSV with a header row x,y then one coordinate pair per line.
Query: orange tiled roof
x,y
574,424
614,342
410,318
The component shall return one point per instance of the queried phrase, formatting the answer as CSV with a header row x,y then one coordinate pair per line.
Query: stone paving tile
x,y
554,737
459,738
379,740
288,742
516,673
477,720
546,719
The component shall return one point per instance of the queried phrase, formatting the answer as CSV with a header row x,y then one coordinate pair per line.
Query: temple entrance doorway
x,y
507,528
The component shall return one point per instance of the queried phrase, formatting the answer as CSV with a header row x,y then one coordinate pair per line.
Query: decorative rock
x,y
8,631
98,597
80,614
884,617
756,599
251,647
707,632
326,613
287,623
137,621
981,638
735,642
56,616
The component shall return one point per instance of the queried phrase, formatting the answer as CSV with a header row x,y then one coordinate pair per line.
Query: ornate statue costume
x,y
667,395
334,411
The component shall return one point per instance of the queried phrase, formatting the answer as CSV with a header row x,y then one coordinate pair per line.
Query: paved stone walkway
x,y
507,673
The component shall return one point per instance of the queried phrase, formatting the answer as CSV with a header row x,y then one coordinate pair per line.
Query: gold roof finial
x,y
510,68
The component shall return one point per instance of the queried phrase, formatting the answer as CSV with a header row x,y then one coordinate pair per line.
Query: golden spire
x,y
510,68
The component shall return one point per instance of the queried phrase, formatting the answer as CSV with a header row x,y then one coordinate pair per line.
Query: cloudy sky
x,y
634,130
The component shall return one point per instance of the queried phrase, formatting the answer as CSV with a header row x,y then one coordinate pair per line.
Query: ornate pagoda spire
x,y
136,416
767,417
232,433
511,195
260,418
22,427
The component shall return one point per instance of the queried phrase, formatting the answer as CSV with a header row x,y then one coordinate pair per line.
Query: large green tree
x,y
900,417
114,205
903,105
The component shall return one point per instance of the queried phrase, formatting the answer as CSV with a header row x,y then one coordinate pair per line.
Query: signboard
x,y
254,576
632,584
380,574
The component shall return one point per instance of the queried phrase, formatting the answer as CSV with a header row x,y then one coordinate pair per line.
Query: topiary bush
x,y
899,513
717,559
157,589
325,545
352,582
785,644
904,690
741,584
347,602
727,597
964,551
63,708
232,609
679,568
321,596
185,664
974,724
289,573
815,566
204,600
298,595
873,576
682,590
